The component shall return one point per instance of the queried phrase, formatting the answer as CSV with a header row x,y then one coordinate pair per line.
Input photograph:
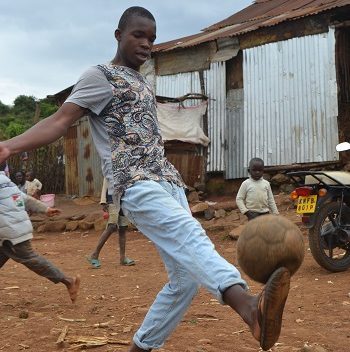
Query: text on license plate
x,y
306,204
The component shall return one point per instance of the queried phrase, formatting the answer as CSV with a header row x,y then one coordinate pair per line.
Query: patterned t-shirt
x,y
126,130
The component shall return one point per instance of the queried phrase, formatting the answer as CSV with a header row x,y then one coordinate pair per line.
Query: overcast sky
x,y
46,45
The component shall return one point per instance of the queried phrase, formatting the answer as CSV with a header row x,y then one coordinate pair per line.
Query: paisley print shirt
x,y
130,118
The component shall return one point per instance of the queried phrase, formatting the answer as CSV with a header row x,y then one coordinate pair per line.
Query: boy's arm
x,y
240,198
36,206
44,132
33,204
271,200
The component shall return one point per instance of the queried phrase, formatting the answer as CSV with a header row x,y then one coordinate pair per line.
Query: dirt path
x,y
114,299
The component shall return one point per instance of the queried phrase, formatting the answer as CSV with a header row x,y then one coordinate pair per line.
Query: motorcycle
x,y
323,201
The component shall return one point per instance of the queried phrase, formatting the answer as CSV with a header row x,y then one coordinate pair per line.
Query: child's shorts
x,y
116,216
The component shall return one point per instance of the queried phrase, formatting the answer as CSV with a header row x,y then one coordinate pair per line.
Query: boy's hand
x,y
52,211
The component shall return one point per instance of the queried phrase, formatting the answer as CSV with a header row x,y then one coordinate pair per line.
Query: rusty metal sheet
x,y
71,162
258,15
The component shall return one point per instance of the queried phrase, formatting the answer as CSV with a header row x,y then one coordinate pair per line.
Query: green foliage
x,y
4,109
14,129
24,107
24,113
47,108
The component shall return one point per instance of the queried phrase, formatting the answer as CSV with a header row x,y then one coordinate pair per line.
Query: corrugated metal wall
x,y
215,88
234,156
290,101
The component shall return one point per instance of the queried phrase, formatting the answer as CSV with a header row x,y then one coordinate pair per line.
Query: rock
x,y
287,188
200,186
85,225
312,348
193,197
56,226
199,208
220,213
23,314
209,213
202,196
92,217
279,179
228,205
100,224
72,225
232,216
76,217
52,226
205,342
235,233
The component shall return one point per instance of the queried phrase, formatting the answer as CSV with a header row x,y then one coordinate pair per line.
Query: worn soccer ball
x,y
267,243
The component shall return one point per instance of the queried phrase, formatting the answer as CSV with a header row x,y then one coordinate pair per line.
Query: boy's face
x,y
135,41
29,176
256,170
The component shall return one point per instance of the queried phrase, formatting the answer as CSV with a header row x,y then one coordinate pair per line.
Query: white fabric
x,y
182,124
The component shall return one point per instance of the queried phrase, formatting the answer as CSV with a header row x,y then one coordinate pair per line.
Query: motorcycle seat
x,y
341,176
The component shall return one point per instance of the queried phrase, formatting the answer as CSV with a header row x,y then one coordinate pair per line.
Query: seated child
x,y
255,197
16,234
33,186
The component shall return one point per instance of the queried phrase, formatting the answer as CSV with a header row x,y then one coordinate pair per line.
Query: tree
x,y
47,108
24,107
14,129
4,109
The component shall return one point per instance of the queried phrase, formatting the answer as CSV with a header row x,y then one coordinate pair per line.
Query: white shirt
x,y
32,186
256,196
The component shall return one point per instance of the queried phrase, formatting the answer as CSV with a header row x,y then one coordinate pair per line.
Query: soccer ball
x,y
267,243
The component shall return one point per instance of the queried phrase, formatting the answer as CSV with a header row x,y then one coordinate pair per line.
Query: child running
x,y
117,222
255,197
16,234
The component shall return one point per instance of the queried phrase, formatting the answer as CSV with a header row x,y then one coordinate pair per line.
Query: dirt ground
x,y
114,299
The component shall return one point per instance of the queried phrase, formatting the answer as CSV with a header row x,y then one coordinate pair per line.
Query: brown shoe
x,y
271,305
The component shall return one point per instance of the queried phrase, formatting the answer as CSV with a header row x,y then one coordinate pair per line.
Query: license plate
x,y
306,204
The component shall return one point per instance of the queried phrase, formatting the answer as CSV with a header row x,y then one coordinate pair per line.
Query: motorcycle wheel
x,y
334,259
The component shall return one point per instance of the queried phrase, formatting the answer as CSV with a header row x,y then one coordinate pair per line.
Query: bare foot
x,y
73,288
254,326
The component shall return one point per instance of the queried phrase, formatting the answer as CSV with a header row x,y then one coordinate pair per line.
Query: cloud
x,y
46,45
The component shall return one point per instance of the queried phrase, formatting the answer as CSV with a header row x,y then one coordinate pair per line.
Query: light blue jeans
x,y
161,212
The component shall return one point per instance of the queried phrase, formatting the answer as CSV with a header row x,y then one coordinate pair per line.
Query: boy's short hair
x,y
134,11
255,160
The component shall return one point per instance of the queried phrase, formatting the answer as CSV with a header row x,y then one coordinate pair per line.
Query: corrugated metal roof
x,y
263,13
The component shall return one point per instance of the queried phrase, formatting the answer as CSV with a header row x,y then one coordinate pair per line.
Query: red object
x,y
105,215
303,191
305,219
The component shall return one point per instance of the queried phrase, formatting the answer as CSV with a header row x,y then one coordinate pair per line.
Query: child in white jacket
x,y
16,234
